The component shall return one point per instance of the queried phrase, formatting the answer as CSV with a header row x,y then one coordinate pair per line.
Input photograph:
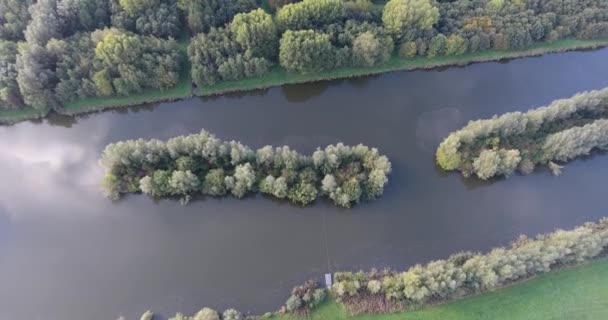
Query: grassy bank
x,y
28,113
278,76
577,293
182,90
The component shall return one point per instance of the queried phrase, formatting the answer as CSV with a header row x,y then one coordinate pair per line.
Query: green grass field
x,y
14,116
579,293
278,76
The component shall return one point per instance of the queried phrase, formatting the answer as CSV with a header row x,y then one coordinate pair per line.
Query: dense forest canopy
x,y
56,51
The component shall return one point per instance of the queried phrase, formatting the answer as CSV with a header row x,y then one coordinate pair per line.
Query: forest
x,y
201,164
54,52
550,135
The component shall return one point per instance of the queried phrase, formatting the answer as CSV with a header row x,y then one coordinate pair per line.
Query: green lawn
x,y
580,293
278,76
14,116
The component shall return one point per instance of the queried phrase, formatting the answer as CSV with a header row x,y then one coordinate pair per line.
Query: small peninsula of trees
x,y
54,53
564,130
468,273
201,164
460,275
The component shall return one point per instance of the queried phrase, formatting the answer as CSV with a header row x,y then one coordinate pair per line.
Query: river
x,y
67,253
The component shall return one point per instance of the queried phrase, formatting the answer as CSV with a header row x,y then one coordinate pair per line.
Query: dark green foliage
x,y
202,15
10,97
438,45
256,33
44,24
14,17
277,4
310,14
36,76
134,63
202,164
76,68
83,15
216,56
154,17
306,51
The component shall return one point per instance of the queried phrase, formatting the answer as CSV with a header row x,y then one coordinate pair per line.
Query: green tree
x,y
256,32
402,18
306,51
455,45
10,97
369,50
135,6
437,46
310,14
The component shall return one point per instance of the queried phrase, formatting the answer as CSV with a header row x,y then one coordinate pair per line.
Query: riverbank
x,y
182,90
278,76
580,292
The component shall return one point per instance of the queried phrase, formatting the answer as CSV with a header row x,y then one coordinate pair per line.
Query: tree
x,y
369,51
401,18
44,24
243,180
256,32
310,14
133,63
437,46
232,314
83,15
303,193
10,97
306,51
455,45
277,4
202,15
408,49
14,16
183,182
36,76
214,184
206,314
134,6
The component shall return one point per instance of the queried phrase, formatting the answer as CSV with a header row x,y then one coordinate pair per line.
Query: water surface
x,y
67,253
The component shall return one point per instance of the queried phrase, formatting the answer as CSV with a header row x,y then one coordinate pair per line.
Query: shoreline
x,y
278,77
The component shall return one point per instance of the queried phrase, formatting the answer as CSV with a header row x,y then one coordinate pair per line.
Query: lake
x,y
67,253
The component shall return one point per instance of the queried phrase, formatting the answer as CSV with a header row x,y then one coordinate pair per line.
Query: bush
x,y
305,298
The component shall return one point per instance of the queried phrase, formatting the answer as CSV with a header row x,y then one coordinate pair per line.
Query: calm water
x,y
67,253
